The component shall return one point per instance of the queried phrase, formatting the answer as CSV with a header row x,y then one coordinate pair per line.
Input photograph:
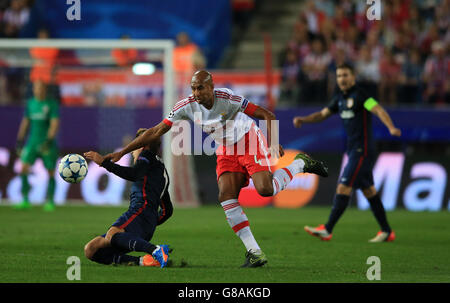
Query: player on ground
x,y
42,119
225,117
150,206
354,106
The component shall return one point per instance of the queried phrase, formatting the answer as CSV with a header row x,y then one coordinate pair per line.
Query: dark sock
x,y
51,189
25,186
111,255
339,205
131,242
380,214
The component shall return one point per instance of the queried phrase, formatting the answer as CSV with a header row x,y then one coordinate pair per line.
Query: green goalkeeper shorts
x,y
31,151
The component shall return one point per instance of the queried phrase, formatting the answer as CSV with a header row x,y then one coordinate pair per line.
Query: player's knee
x,y
369,192
265,191
264,187
89,250
224,196
25,169
343,190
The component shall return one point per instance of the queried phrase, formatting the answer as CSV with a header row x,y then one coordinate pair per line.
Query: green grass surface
x,y
35,245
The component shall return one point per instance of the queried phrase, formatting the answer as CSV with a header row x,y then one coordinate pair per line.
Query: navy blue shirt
x,y
149,177
356,118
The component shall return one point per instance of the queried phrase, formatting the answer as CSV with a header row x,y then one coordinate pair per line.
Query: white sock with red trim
x,y
283,176
239,223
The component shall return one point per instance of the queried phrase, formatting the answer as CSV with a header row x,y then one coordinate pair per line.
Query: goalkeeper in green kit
x,y
41,118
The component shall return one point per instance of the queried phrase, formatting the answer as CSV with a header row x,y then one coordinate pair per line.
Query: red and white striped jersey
x,y
227,121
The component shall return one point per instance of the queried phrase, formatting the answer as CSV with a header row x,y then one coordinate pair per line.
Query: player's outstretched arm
x,y
132,173
166,210
145,139
23,128
263,114
312,118
381,113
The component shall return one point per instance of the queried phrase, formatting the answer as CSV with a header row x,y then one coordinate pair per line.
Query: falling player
x,y
354,107
42,120
225,117
150,206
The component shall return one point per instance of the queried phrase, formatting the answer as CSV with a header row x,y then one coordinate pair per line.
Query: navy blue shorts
x,y
358,171
139,219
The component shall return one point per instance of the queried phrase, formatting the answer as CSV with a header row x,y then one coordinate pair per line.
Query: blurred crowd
x,y
14,15
403,58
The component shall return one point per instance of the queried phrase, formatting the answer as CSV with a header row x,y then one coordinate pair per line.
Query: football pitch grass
x,y
35,245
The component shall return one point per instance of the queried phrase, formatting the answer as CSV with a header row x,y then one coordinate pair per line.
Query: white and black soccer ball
x,y
73,168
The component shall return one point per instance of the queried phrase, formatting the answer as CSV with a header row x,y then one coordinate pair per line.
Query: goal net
x,y
107,89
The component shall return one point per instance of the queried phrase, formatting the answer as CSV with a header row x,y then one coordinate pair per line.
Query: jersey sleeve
x,y
177,113
365,100
333,106
132,173
241,104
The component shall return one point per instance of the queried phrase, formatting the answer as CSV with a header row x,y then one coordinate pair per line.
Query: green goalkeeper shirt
x,y
40,113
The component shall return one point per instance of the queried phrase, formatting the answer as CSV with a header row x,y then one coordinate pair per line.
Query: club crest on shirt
x,y
350,102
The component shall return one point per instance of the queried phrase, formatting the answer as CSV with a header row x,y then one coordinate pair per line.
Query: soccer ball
x,y
73,168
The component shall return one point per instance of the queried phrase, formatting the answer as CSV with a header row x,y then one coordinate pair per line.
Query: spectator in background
x,y
187,55
125,57
436,75
44,59
374,45
368,71
15,17
313,17
427,38
315,69
389,77
341,21
442,16
289,90
410,78
300,40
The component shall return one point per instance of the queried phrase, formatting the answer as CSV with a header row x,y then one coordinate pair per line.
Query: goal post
x,y
179,185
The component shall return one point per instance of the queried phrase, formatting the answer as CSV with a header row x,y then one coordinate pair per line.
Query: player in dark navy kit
x,y
150,206
355,108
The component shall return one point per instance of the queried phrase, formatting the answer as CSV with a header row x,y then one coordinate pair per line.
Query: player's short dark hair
x,y
154,145
346,66
140,132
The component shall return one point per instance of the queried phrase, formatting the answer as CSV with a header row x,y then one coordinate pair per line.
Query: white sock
x,y
239,223
283,176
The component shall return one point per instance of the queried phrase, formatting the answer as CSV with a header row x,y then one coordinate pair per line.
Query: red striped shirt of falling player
x,y
242,151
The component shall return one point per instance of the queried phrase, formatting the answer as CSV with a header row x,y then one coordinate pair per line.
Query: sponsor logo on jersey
x,y
347,114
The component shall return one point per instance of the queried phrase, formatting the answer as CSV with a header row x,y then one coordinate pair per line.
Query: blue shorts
x,y
358,171
139,219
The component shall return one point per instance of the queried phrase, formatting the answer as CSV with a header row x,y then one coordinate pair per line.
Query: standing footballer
x,y
42,120
354,106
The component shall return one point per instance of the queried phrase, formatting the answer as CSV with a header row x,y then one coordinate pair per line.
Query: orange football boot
x,y
319,231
